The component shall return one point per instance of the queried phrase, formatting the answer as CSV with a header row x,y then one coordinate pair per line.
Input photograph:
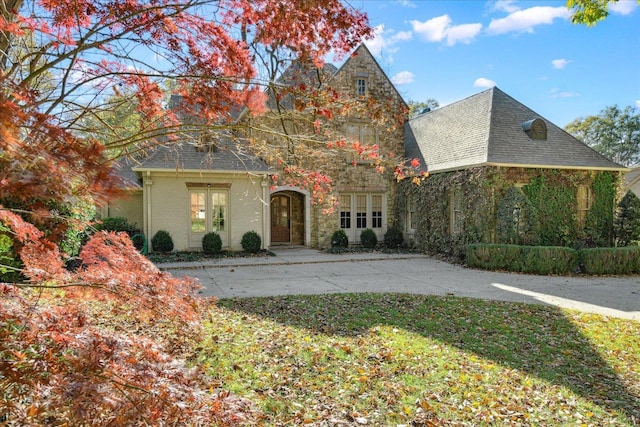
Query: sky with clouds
x,y
449,50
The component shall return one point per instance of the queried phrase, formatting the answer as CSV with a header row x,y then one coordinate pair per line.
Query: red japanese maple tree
x,y
58,60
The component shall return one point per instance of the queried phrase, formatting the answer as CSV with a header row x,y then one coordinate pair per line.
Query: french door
x,y
209,213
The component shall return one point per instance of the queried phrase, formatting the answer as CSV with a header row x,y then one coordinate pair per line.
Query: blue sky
x,y
448,50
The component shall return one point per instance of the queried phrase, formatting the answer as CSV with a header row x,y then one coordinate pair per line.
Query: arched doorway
x,y
287,218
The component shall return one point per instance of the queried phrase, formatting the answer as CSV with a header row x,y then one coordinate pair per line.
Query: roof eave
x,y
577,167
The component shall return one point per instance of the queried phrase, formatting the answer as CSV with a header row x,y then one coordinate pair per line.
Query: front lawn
x,y
423,360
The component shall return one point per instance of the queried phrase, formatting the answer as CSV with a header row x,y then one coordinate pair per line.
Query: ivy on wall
x,y
490,209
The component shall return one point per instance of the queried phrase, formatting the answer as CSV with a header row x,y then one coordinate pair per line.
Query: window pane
x,y
198,216
345,211
361,211
362,87
218,210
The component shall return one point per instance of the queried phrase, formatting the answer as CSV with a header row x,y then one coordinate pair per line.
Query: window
x,y
456,214
345,211
412,210
368,211
535,129
585,201
362,133
361,85
209,213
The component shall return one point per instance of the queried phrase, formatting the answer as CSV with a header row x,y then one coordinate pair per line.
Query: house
x,y
230,186
500,172
632,181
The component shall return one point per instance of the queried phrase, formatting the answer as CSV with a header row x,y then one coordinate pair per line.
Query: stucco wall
x,y
129,207
167,206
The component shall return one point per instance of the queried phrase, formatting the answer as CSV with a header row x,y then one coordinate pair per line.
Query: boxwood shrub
x,y
162,241
339,239
251,242
211,243
368,238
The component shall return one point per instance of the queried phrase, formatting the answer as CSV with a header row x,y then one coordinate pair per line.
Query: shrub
x,y
339,239
368,238
393,237
162,241
624,260
212,243
522,259
627,220
10,264
251,242
117,224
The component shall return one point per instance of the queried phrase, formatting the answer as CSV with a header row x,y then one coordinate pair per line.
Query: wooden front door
x,y
281,218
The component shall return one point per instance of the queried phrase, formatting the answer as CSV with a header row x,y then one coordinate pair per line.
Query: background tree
x,y
416,107
613,133
589,12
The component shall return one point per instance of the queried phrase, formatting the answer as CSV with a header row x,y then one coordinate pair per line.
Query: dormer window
x,y
361,87
535,129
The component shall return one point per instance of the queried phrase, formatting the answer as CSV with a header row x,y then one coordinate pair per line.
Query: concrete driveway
x,y
308,271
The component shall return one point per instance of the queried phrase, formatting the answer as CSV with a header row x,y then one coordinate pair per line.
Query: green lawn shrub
x,y
393,238
162,241
211,243
117,224
368,238
523,259
251,242
339,239
615,261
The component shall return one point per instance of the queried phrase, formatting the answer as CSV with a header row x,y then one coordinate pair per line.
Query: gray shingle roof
x,y
227,157
486,129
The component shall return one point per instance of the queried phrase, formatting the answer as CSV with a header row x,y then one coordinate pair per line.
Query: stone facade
x,y
375,115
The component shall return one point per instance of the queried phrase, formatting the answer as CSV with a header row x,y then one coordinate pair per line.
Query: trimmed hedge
x,y
624,260
554,259
523,259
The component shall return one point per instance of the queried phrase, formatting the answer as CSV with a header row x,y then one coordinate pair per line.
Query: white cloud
x,y
623,7
559,64
384,42
482,82
638,103
525,20
439,29
505,6
557,93
403,78
406,3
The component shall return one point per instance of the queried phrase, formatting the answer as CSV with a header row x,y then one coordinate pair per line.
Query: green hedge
x,y
625,260
554,259
523,259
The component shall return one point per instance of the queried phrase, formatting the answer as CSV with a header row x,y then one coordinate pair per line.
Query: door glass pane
x,y
198,212
361,213
376,211
345,211
218,211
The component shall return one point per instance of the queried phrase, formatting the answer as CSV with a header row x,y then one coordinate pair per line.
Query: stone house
x,y
234,187
500,172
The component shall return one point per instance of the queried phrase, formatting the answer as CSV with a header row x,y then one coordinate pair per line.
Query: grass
x,y
397,359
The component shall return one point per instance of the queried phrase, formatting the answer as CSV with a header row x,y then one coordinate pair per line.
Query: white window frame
x,y
211,224
362,86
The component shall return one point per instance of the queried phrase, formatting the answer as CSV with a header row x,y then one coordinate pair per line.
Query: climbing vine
x,y
483,205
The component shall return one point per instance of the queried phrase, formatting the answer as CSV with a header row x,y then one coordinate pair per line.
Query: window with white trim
x,y
363,133
361,87
209,213
367,210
